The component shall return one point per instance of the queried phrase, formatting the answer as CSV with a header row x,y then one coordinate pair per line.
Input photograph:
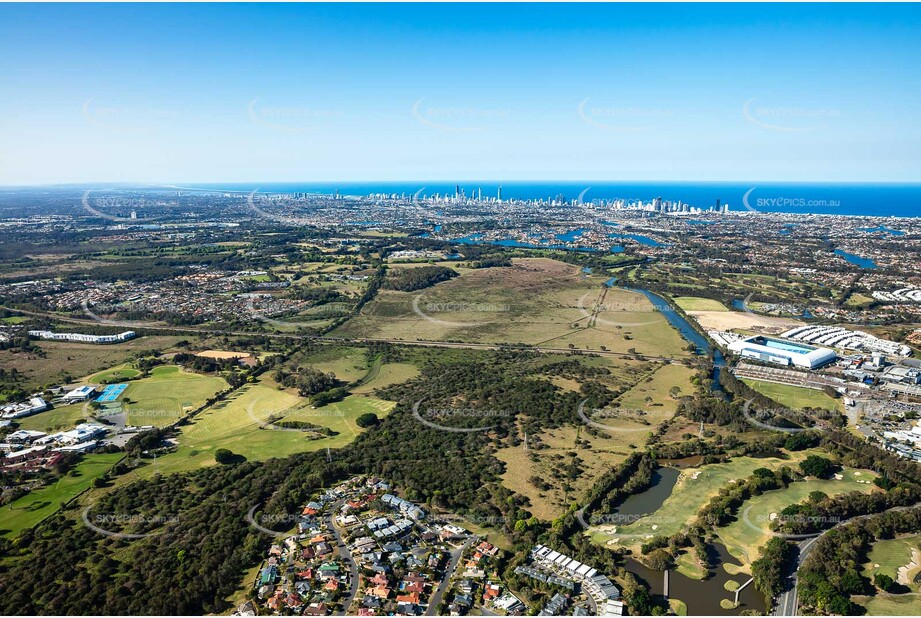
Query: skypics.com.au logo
x,y
440,418
428,311
622,420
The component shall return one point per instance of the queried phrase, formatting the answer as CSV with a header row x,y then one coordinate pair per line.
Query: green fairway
x,y
693,490
890,555
166,395
242,424
35,506
794,397
745,536
695,303
894,604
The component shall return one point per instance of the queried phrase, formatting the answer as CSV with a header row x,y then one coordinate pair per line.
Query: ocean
x,y
883,200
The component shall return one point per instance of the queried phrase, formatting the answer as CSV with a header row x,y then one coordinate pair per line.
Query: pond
x,y
702,597
651,499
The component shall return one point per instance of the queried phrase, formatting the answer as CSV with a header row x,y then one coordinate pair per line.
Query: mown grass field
x,y
537,301
167,394
35,506
115,374
794,397
744,537
693,490
696,303
242,424
61,418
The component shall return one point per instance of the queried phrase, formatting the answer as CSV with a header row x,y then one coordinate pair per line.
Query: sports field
x,y
693,490
167,394
794,397
745,536
35,506
695,303
537,301
64,417
242,424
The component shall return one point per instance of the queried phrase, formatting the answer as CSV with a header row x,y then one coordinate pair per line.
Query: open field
x,y
794,397
64,361
223,354
744,537
654,392
549,504
693,490
696,303
742,321
348,364
537,301
35,506
241,424
385,375
167,394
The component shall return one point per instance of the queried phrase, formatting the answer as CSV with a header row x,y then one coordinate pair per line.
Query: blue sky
x,y
240,93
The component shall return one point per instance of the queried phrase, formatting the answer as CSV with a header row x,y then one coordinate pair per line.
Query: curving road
x,y
787,604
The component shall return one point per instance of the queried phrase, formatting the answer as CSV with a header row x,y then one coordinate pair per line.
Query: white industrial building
x,y
780,352
838,337
81,337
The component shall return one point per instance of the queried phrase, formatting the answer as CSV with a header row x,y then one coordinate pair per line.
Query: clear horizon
x,y
134,94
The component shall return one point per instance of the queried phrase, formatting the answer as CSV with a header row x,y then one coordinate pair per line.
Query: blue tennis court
x,y
111,392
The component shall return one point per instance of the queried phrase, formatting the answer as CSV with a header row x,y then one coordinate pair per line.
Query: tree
x,y
224,456
817,466
368,419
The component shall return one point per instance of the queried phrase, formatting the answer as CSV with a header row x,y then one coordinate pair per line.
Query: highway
x,y
788,601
